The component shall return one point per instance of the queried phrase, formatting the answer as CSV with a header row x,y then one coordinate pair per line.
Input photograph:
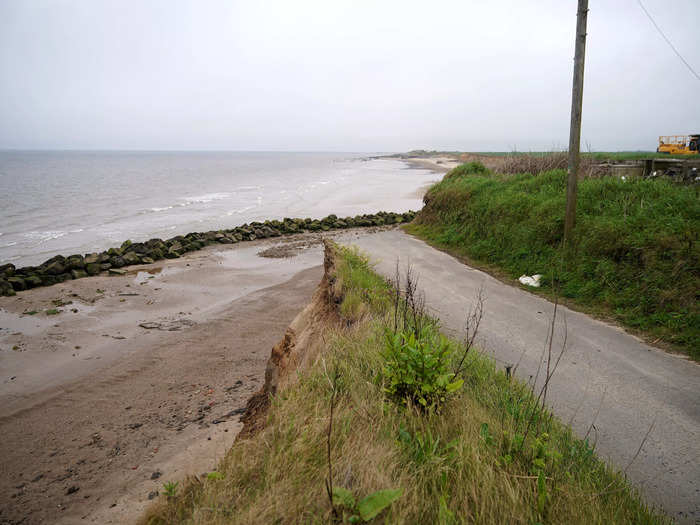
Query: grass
x,y
636,258
461,464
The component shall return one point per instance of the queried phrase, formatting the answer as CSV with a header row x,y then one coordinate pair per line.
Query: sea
x,y
65,202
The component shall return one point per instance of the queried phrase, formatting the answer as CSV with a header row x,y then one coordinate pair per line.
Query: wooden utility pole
x,y
575,130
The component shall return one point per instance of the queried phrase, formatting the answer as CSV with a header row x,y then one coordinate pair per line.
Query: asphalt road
x,y
606,377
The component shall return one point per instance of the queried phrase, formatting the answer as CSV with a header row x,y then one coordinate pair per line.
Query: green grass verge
x,y
459,465
636,254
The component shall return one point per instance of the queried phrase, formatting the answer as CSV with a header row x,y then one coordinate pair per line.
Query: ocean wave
x,y
44,236
248,188
208,197
161,209
7,244
242,210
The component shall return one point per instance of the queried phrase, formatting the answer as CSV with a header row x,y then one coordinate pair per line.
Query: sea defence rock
x,y
59,268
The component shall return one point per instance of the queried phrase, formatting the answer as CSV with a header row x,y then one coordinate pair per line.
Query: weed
x,y
417,368
170,488
53,311
367,508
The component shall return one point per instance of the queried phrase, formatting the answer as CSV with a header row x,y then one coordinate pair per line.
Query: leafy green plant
x,y
30,312
423,447
215,475
417,367
367,508
53,311
170,488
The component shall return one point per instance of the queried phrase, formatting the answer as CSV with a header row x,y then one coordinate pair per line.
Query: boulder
x,y
147,260
55,267
93,268
48,280
7,270
117,262
125,245
91,258
6,288
130,258
64,277
105,266
17,283
75,262
32,281
137,247
114,252
117,271
78,274
156,253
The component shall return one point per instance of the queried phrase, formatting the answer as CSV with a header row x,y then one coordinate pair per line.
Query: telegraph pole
x,y
575,130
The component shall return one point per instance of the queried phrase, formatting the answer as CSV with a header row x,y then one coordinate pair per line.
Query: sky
x,y
337,75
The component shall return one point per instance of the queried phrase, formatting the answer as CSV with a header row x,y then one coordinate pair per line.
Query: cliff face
x,y
300,346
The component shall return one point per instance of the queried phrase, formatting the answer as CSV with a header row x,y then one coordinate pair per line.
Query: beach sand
x,y
139,379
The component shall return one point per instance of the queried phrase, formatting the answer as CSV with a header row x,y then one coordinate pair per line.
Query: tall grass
x,y
636,259
458,465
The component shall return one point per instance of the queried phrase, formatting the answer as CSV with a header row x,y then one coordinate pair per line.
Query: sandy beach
x,y
139,379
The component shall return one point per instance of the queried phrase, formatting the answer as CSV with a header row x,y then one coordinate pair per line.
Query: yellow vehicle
x,y
679,144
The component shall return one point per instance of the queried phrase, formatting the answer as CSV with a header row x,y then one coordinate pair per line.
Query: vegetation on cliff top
x,y
464,457
636,259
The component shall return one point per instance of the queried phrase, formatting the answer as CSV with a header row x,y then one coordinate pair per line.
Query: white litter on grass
x,y
531,280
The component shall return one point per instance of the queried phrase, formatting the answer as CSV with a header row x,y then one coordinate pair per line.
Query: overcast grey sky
x,y
341,75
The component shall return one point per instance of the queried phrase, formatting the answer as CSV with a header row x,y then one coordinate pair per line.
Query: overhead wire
x,y
667,40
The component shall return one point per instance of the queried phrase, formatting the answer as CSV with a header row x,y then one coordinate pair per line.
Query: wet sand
x,y
139,379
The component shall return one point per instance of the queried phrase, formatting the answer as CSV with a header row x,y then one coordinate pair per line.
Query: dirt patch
x,y
289,249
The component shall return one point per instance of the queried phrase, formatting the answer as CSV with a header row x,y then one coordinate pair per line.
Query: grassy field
x,y
479,452
636,258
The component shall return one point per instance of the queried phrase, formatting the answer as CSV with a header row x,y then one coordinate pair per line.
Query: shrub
x,y
470,168
417,368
